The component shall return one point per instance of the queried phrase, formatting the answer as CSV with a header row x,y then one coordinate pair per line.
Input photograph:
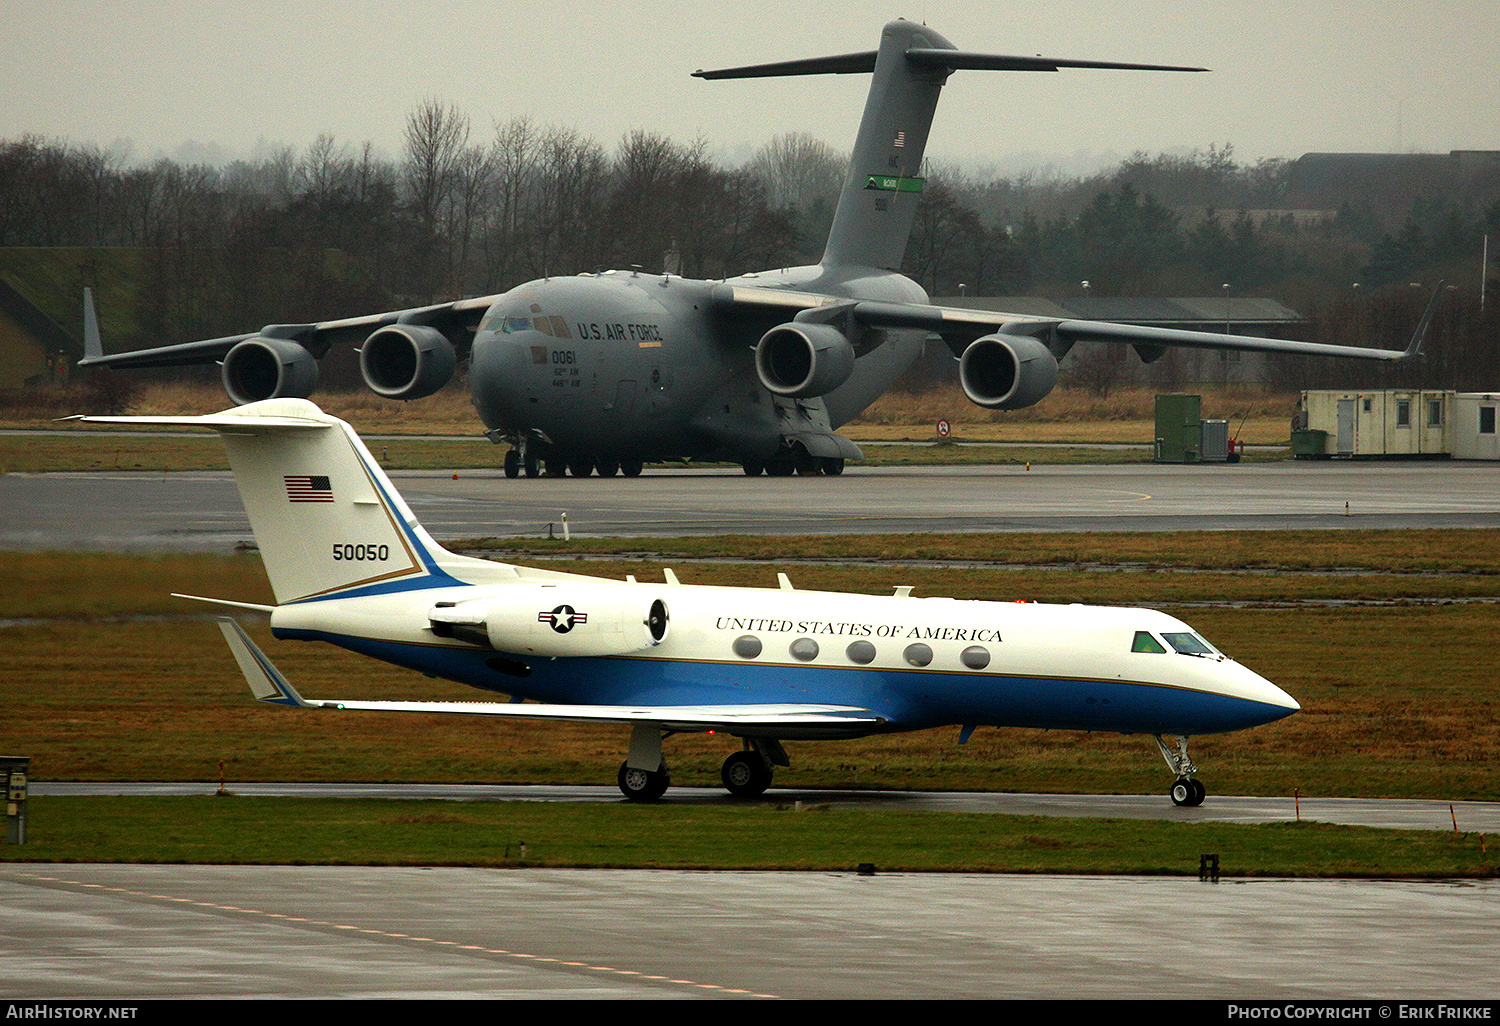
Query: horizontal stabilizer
x,y
843,64
228,421
930,57
959,60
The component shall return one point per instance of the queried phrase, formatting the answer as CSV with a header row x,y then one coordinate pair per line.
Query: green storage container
x,y
1179,428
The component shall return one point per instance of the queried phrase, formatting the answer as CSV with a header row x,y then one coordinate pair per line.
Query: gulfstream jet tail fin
x,y
327,519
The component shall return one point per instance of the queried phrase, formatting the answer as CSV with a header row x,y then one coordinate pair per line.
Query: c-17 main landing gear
x,y
1187,790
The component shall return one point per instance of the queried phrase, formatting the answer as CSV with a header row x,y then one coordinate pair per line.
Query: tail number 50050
x,y
376,553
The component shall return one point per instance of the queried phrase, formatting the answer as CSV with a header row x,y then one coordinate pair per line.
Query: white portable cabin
x,y
1396,422
1474,436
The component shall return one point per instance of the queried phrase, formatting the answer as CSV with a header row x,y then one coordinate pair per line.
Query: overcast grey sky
x,y
1289,76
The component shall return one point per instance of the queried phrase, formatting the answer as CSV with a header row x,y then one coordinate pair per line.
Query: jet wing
x,y
958,327
457,320
268,685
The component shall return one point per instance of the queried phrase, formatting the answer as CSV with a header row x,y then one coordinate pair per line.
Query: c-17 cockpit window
x,y
1189,643
1145,642
553,326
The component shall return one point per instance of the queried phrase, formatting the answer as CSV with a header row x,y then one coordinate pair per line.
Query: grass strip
x,y
1398,701
1475,551
325,831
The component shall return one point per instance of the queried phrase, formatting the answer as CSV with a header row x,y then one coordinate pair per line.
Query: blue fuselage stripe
x,y
908,699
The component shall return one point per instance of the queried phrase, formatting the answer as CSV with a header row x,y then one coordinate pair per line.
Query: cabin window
x,y
1189,643
1369,404
805,649
861,652
975,657
747,646
1145,642
1403,413
1486,420
1434,413
918,654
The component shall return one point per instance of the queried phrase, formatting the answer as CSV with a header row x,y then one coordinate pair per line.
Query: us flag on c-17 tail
x,y
305,488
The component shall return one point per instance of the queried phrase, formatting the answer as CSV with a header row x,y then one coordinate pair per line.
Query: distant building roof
x,y
1322,180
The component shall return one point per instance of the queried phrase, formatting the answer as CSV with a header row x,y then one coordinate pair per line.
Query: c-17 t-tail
x,y
350,565
599,372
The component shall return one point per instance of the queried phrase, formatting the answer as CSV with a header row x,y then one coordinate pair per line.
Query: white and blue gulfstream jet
x,y
349,564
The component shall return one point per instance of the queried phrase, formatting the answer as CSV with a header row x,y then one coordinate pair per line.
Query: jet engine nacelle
x,y
1007,372
268,368
407,361
803,360
557,620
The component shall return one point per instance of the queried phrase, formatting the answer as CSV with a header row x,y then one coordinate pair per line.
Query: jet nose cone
x,y
1277,699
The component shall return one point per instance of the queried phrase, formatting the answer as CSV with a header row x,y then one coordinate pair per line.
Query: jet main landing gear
x,y
642,785
746,774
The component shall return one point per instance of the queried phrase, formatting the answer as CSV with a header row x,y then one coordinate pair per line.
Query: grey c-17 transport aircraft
x,y
602,372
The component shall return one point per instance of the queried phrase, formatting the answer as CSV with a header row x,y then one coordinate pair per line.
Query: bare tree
x,y
799,171
436,137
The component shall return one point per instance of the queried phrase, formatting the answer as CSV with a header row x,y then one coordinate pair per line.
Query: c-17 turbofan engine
x,y
801,360
407,361
1007,372
268,368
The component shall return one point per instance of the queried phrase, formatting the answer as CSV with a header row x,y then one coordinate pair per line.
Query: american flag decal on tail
x,y
305,488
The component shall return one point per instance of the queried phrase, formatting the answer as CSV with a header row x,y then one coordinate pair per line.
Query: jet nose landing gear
x,y
1187,791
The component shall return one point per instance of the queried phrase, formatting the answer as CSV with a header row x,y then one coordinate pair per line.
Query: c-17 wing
x,y
456,320
269,685
959,327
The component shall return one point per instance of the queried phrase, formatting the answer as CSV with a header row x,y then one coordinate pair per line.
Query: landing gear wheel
x,y
530,467
630,468
753,468
512,463
607,468
640,785
781,466
833,466
581,468
554,467
746,774
807,464
1188,793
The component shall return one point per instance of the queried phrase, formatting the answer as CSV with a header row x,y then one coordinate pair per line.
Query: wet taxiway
x,y
201,510
92,931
